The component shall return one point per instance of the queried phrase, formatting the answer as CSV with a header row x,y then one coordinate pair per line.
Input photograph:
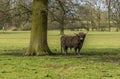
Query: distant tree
x,y
109,3
61,11
116,14
21,12
14,12
5,16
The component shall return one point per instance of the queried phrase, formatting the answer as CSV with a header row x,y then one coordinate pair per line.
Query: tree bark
x,y
109,6
116,25
38,41
62,28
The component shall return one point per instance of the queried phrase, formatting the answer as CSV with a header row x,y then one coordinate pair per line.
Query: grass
x,y
99,59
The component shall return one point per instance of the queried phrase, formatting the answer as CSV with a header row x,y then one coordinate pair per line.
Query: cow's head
x,y
81,36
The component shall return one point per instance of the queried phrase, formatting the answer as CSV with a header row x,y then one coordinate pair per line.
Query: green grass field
x,y
99,59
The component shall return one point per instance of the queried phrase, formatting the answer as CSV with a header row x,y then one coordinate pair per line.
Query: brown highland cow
x,y
75,42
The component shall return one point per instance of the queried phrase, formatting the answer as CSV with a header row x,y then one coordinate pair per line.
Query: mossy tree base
x,y
38,52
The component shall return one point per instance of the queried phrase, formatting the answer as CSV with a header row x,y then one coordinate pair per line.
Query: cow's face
x,y
81,36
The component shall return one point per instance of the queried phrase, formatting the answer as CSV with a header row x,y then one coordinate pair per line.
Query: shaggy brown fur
x,y
75,42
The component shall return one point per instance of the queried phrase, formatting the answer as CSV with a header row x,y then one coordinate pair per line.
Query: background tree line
x,y
94,15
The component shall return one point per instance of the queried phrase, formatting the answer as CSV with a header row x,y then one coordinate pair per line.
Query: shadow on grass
x,y
100,55
84,52
13,53
103,55
93,52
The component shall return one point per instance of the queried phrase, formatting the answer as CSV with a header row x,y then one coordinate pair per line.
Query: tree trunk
x,y
109,6
99,21
62,28
61,31
116,25
38,41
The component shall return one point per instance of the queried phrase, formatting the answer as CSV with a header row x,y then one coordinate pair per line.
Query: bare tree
x,y
62,11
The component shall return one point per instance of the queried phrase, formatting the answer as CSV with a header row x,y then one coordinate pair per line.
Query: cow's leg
x,y
65,50
75,51
79,51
